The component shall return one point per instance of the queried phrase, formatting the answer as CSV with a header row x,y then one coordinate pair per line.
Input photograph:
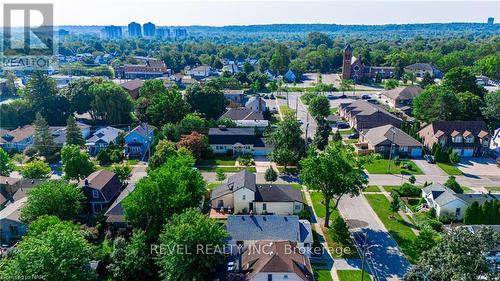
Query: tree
x,y
152,88
6,165
78,94
322,133
462,79
426,239
390,84
76,163
319,107
280,59
473,214
284,156
452,184
340,231
196,143
131,260
123,172
346,85
167,190
427,80
220,176
287,138
166,106
491,109
395,203
207,100
469,106
397,161
459,255
16,114
454,157
412,179
489,66
337,136
53,198
270,175
111,103
163,150
43,141
55,249
435,103
318,38
36,169
191,231
409,76
73,132
347,179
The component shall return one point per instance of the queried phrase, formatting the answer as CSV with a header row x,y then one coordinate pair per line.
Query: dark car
x,y
271,96
330,96
429,158
374,101
343,126
266,97
353,136
365,97
343,97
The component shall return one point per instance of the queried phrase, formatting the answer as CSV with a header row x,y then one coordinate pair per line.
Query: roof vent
x,y
230,186
222,127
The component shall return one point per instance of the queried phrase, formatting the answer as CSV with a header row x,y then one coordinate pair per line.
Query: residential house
x,y
420,69
237,141
246,231
401,96
467,138
231,67
59,132
364,115
274,260
447,202
101,188
132,87
11,226
149,69
101,139
256,103
115,217
18,139
200,72
381,139
242,195
64,80
139,140
14,189
235,96
245,117
495,143
290,76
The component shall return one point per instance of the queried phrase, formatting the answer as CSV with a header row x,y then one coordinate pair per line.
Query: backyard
x,y
381,166
352,275
400,230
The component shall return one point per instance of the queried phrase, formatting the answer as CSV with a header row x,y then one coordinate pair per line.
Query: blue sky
x,y
239,12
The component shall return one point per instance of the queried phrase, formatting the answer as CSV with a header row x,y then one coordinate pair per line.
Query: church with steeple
x,y
354,68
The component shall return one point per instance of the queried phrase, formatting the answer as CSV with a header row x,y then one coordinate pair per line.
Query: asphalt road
x,y
302,113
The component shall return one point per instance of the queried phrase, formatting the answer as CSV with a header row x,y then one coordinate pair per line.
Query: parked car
x,y
266,97
429,158
343,96
300,121
343,126
365,97
271,96
353,136
374,101
330,96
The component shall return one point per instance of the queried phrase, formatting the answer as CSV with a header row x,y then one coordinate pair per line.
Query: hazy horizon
x,y
259,12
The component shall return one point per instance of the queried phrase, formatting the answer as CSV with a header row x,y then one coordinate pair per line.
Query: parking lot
x,y
481,166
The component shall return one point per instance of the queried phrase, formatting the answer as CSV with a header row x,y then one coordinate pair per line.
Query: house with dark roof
x,y
115,217
401,96
200,72
132,87
149,68
466,138
11,226
364,115
139,140
101,188
381,139
14,189
237,141
235,96
420,69
59,132
18,139
447,202
246,231
101,139
242,195
245,117
274,260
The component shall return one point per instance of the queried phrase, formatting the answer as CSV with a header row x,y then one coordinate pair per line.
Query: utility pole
x,y
296,106
307,128
390,150
365,247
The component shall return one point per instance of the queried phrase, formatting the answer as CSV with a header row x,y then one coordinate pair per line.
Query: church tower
x,y
346,62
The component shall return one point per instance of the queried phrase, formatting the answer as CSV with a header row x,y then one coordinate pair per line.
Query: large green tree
x,y
491,109
36,169
319,107
111,103
163,151
462,79
6,165
73,132
280,59
53,198
489,66
194,233
167,190
287,138
436,103
167,106
79,95
43,141
207,100
76,162
335,172
52,249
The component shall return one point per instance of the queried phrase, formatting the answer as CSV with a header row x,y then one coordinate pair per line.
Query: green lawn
x,y
333,110
400,230
296,186
213,185
286,110
352,275
346,131
319,208
220,160
381,166
467,189
450,169
132,161
493,188
226,169
390,188
351,141
372,188
322,275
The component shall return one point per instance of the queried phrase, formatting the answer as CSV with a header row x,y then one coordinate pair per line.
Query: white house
x,y
202,71
245,117
447,202
237,141
102,138
241,195
495,143
256,103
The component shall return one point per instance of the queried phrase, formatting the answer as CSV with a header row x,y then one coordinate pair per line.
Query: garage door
x,y
468,152
415,152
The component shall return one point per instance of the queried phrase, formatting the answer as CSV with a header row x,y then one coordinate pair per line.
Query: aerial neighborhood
x,y
257,153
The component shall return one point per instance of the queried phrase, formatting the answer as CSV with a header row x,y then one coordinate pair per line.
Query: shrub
x,y
246,160
340,231
412,179
397,161
452,184
395,203
408,190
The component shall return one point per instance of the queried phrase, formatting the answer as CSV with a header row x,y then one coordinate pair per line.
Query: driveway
x,y
388,260
479,166
429,169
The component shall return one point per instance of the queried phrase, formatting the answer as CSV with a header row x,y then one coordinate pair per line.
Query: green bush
x,y
408,190
339,231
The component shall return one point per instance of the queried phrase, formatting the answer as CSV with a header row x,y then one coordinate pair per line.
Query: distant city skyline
x,y
239,12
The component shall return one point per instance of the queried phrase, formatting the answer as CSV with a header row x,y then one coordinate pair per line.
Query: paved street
x,y
389,262
301,112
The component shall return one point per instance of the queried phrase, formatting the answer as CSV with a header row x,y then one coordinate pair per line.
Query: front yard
x,y
400,230
346,131
220,160
352,275
227,169
450,169
381,166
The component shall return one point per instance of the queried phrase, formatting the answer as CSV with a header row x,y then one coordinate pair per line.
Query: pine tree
x,y
43,141
472,214
395,203
73,132
270,175
337,136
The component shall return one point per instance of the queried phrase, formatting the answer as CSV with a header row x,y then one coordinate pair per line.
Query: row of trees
x,y
487,213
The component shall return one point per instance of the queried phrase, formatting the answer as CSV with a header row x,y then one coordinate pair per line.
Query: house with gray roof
x,y
101,188
447,202
101,139
115,217
237,141
381,139
235,96
59,132
242,195
18,139
245,231
11,226
420,69
401,96
256,103
245,117
364,115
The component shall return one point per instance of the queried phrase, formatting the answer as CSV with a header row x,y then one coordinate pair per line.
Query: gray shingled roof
x,y
264,227
383,135
277,193
404,93
369,115
237,181
242,113
231,135
440,194
420,66
447,127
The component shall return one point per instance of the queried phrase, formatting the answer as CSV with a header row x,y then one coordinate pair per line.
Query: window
x,y
403,148
14,231
97,208
95,194
244,197
457,139
285,277
264,207
469,139
269,277
457,212
220,203
297,207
